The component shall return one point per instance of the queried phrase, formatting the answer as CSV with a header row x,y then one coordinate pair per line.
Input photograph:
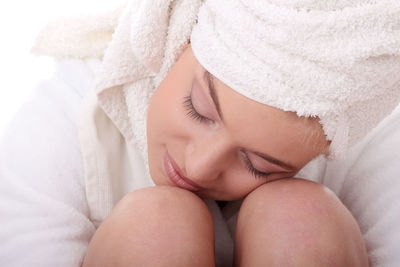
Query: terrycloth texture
x,y
346,75
126,76
150,37
338,60
68,38
47,212
112,166
44,212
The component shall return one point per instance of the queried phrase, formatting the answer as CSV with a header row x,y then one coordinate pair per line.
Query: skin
x,y
211,153
282,221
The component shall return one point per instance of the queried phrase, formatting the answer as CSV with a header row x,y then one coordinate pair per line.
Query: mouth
x,y
174,174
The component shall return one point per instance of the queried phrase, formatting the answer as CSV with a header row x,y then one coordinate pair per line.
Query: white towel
x,y
149,38
127,74
336,60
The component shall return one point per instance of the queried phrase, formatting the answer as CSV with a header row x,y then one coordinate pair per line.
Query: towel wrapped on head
x,y
335,61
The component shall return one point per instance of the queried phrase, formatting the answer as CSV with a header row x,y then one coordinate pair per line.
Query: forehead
x,y
265,129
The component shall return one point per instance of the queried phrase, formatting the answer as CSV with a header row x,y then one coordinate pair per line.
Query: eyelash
x,y
256,173
191,112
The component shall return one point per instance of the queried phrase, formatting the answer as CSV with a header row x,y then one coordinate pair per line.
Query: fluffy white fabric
x,y
44,212
139,57
44,215
338,60
148,40
66,38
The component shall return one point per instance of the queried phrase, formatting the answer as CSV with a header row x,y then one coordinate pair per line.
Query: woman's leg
x,y
157,226
294,222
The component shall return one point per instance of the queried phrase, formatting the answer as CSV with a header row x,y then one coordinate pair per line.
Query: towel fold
x,y
336,60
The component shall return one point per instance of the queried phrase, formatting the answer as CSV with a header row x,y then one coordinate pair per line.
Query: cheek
x,y
237,183
245,185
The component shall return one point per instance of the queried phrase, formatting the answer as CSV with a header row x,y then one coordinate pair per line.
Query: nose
x,y
206,157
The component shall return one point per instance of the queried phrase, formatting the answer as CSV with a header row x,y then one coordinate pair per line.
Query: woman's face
x,y
221,145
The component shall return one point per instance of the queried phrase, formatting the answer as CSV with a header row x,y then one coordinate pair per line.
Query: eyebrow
x,y
211,86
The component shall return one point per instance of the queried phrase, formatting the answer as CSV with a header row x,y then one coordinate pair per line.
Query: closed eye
x,y
192,112
256,173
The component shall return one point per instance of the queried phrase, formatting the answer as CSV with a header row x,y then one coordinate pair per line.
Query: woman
x,y
258,96
201,141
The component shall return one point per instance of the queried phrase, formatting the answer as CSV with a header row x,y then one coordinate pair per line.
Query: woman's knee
x,y
166,213
159,221
290,221
162,202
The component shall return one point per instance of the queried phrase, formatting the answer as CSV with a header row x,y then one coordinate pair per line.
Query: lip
x,y
174,174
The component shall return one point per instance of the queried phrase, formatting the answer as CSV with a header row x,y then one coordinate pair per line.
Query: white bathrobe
x,y
62,169
48,209
60,175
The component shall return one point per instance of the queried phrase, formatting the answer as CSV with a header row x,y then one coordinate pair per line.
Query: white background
x,y
20,22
